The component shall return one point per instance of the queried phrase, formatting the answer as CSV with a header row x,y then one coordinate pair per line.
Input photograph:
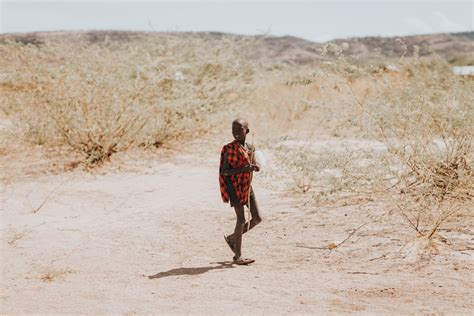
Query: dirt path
x,y
151,241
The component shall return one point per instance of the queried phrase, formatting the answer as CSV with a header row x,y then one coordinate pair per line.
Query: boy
x,y
235,175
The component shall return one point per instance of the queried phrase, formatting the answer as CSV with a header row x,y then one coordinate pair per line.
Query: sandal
x,y
243,261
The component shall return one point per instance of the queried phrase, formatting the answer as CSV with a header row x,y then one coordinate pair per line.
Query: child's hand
x,y
250,168
255,168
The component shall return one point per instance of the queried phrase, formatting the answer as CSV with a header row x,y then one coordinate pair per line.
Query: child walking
x,y
236,168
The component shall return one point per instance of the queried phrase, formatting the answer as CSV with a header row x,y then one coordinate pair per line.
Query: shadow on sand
x,y
193,271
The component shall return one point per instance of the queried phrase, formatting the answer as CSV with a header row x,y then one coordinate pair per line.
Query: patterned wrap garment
x,y
238,156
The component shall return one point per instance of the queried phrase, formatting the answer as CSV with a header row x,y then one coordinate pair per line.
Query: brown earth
x,y
146,236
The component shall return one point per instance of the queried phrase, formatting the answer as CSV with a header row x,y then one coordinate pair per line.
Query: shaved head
x,y
240,129
239,122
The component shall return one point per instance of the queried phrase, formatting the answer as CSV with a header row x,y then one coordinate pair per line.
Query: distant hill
x,y
452,46
446,45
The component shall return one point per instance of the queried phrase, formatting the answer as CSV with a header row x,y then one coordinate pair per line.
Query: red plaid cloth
x,y
237,157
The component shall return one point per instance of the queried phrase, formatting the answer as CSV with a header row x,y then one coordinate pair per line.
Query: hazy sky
x,y
313,20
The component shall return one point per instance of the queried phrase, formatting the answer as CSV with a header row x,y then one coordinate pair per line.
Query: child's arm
x,y
227,171
253,160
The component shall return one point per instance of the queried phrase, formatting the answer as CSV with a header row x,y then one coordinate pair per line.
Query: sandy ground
x,y
148,239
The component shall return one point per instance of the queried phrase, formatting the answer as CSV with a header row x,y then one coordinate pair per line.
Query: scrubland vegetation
x,y
109,152
413,127
99,97
398,129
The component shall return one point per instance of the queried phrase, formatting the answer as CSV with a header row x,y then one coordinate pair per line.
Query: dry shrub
x,y
101,98
327,169
424,115
429,129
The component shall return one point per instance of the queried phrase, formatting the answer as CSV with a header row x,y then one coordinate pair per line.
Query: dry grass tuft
x,y
15,236
56,275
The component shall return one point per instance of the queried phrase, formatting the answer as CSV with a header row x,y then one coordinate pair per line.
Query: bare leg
x,y
256,218
254,212
238,231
